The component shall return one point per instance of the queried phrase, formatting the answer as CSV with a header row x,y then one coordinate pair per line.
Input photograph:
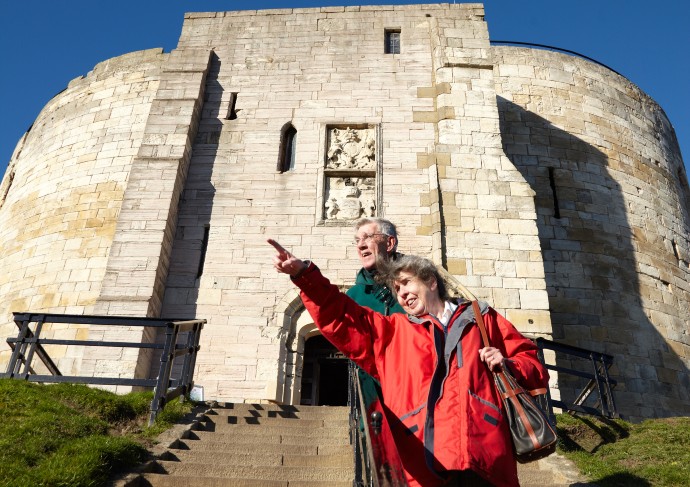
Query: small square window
x,y
392,39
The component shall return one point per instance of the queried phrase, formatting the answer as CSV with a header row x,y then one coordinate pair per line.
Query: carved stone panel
x,y
350,173
349,198
350,148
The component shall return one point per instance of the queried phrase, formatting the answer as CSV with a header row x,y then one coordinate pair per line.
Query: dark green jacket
x,y
366,292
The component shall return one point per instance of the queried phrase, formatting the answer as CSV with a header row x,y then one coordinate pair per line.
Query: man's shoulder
x,y
361,281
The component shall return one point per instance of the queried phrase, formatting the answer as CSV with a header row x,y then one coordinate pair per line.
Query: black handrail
x,y
599,381
377,463
29,343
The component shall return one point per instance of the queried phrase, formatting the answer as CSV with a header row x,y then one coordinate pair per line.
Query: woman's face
x,y
415,296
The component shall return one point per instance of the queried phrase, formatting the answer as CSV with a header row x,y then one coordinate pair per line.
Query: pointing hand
x,y
285,262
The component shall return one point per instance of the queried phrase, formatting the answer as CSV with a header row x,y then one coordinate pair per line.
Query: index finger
x,y
278,247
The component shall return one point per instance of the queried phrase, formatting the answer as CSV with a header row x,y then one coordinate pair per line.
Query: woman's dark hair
x,y
424,269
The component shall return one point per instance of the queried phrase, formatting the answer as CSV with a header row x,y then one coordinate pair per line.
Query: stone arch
x,y
297,328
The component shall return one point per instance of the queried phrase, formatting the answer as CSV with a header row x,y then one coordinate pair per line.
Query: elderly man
x,y
445,413
375,238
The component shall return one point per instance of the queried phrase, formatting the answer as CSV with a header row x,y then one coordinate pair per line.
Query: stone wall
x,y
549,186
432,156
612,198
62,193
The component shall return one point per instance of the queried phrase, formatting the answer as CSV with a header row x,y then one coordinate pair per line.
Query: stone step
x,y
162,480
255,435
282,448
553,471
293,427
287,422
320,474
260,458
278,411
534,477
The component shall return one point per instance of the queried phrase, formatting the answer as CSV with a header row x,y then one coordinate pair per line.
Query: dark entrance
x,y
324,375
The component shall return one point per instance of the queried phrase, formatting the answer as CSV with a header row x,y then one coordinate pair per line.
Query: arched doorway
x,y
324,374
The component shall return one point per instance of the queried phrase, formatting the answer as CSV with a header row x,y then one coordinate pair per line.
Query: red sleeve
x,y
521,352
351,328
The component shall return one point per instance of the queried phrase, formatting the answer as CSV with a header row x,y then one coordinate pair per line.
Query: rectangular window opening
x,y
552,182
392,41
232,114
202,256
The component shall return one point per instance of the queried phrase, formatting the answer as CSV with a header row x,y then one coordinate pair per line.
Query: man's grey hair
x,y
385,226
422,268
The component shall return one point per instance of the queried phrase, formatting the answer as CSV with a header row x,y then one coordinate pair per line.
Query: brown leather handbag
x,y
533,436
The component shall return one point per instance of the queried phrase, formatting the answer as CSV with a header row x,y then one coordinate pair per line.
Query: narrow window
x,y
232,115
552,182
288,142
684,189
202,256
675,249
392,41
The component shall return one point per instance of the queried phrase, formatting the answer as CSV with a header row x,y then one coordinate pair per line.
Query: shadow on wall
x,y
194,213
589,250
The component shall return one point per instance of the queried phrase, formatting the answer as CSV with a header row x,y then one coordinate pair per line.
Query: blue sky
x,y
46,43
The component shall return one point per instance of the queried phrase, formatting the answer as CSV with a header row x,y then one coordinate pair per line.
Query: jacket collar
x,y
365,276
420,320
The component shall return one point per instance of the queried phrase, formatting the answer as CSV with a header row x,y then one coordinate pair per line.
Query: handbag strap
x,y
487,343
511,392
480,323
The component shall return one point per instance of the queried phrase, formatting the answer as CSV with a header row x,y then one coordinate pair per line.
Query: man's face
x,y
414,295
370,243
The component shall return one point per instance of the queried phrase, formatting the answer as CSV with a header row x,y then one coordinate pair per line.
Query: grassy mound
x,y
620,454
73,435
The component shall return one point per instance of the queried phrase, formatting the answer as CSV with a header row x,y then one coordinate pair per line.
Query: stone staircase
x,y
267,445
256,445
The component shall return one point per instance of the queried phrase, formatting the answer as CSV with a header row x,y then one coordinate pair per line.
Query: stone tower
x,y
548,185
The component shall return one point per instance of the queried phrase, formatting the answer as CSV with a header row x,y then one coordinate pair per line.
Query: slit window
x,y
202,255
552,183
288,143
392,41
232,115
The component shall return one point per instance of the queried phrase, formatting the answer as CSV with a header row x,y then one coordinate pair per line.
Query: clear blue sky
x,y
46,43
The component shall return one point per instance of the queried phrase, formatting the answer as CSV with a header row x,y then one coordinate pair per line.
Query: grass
x,y
614,453
74,435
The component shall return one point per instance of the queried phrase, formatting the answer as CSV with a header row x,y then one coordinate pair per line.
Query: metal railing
x,y
29,344
377,463
599,387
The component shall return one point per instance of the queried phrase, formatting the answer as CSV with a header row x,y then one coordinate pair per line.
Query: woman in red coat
x,y
442,405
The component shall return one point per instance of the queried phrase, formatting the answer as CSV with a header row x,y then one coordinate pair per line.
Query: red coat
x,y
466,429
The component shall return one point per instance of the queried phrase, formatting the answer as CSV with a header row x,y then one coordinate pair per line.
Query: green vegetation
x,y
73,435
620,454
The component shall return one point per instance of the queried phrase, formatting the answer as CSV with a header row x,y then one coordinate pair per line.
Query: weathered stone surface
x,y
548,185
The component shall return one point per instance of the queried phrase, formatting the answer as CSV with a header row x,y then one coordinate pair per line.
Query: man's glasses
x,y
366,237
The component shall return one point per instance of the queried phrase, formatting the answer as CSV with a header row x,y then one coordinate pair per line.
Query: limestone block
x,y
531,321
506,298
534,299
